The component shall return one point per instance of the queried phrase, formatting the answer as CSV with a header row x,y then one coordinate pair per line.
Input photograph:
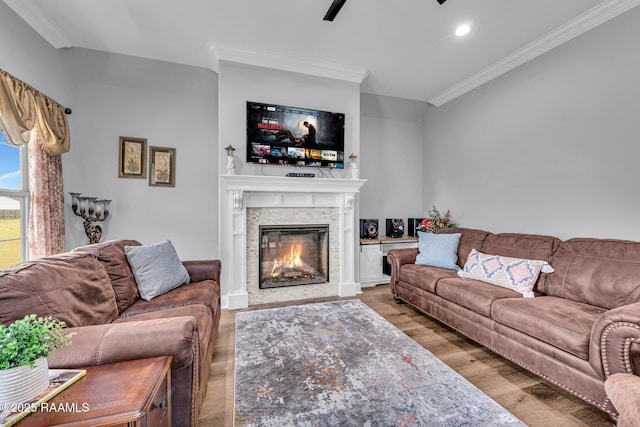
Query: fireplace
x,y
250,201
292,255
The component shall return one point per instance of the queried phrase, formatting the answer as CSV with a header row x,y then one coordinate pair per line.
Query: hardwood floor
x,y
533,400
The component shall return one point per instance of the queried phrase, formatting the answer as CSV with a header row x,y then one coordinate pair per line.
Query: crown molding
x,y
33,16
577,26
279,61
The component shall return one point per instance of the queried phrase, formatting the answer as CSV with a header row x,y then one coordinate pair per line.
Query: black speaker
x,y
413,223
395,227
368,228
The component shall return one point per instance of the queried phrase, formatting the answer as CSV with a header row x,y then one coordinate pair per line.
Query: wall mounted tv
x,y
282,135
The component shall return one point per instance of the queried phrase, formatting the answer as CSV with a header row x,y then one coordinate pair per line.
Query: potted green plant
x,y
24,347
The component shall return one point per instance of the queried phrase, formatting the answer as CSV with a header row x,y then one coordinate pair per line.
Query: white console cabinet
x,y
373,254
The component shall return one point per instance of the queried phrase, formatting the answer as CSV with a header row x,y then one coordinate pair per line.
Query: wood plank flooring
x,y
533,400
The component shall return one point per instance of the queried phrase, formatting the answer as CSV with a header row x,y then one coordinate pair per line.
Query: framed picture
x,y
162,166
132,158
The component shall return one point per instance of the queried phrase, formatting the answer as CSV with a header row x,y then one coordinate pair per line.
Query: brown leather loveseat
x,y
94,291
582,326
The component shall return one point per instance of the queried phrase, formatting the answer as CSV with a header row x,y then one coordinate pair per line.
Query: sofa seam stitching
x,y
626,347
98,356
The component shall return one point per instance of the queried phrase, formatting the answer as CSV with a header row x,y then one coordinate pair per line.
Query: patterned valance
x,y
28,115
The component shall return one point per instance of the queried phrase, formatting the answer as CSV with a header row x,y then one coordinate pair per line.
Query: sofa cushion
x,y
424,277
438,250
471,238
205,292
517,274
562,323
111,255
473,294
602,272
71,287
157,268
516,245
529,246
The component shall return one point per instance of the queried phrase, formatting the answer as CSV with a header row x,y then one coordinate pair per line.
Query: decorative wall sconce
x,y
91,209
231,167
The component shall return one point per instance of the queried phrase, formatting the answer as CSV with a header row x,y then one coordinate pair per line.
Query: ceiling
x,y
400,48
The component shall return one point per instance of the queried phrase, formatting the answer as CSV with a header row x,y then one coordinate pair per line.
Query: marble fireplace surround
x,y
309,200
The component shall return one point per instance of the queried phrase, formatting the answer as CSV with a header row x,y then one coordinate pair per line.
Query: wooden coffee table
x,y
136,393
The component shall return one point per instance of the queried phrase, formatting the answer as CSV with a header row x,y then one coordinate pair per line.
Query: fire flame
x,y
292,260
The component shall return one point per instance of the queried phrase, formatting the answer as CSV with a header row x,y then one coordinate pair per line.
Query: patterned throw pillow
x,y
517,274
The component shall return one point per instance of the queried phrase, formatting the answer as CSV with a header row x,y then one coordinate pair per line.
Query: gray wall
x,y
112,95
170,105
30,58
241,83
391,156
551,147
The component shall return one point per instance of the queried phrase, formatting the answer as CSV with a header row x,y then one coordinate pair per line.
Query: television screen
x,y
281,135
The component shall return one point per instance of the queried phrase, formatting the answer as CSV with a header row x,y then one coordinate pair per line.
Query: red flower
x,y
428,223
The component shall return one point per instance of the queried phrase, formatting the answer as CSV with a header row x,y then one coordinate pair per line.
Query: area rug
x,y
341,364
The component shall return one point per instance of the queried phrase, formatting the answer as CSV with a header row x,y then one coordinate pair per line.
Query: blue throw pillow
x,y
156,268
438,250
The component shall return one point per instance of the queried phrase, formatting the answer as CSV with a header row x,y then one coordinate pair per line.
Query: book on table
x,y
59,379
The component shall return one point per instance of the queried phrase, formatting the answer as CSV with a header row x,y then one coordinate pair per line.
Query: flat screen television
x,y
282,135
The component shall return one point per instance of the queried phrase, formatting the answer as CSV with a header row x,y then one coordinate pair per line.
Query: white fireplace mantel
x,y
281,184
240,192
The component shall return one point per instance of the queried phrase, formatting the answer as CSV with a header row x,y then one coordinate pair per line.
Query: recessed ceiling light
x,y
463,30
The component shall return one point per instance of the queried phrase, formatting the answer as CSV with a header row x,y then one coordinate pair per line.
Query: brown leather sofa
x,y
94,291
582,326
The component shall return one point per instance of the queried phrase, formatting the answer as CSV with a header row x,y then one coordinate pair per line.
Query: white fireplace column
x,y
240,192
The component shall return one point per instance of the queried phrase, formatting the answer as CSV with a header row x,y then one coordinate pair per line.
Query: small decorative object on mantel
x,y
353,166
435,221
231,167
25,344
91,209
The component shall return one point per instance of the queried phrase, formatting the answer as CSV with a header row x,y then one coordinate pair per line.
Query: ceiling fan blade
x,y
334,9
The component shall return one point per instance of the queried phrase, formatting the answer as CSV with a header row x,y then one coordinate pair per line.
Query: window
x,y
14,203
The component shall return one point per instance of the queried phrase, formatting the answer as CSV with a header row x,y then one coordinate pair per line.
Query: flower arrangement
x,y
28,339
435,221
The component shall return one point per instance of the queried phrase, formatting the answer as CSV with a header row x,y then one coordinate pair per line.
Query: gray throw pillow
x,y
156,268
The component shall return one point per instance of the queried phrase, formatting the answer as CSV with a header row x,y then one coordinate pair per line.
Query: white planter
x,y
21,384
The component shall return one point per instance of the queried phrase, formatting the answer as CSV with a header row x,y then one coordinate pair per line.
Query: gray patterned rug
x,y
342,364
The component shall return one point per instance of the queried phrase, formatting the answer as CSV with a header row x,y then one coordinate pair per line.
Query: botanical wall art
x,y
132,157
162,165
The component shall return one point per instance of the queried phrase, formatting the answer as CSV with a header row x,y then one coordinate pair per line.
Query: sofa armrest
x,y
118,342
397,258
402,256
624,392
203,270
615,341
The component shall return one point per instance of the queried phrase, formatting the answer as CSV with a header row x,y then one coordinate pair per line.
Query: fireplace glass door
x,y
293,255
